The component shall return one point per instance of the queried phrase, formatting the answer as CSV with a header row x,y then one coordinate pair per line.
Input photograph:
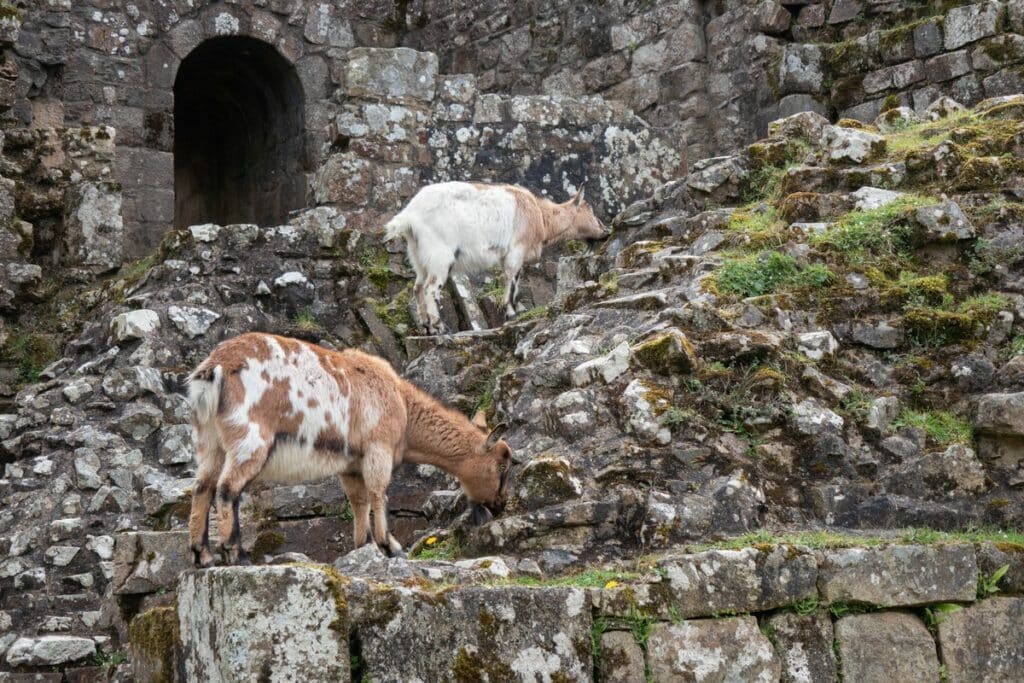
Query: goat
x,y
470,227
283,410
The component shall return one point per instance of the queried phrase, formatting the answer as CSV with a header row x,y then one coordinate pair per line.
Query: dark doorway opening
x,y
238,140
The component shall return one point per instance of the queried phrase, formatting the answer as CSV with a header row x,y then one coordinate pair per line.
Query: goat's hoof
x,y
202,558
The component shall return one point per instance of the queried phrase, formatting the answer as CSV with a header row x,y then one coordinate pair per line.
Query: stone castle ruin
x,y
769,430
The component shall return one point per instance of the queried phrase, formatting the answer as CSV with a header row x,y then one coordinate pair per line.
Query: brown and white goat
x,y
278,409
470,227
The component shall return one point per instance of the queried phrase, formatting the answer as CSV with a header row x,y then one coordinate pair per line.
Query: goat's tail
x,y
204,387
396,227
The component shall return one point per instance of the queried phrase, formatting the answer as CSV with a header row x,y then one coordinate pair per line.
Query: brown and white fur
x,y
470,227
278,409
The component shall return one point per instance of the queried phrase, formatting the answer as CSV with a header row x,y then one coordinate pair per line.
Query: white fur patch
x,y
447,219
295,460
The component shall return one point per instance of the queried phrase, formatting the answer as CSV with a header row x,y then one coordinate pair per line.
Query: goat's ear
x,y
480,419
495,434
578,199
479,514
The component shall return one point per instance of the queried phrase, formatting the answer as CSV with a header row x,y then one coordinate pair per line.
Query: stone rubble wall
x,y
379,121
765,613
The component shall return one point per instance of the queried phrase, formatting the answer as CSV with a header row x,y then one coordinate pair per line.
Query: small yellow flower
x,y
431,541
611,584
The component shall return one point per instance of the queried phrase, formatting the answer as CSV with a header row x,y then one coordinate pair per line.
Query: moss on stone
x,y
473,667
337,584
666,352
154,635
267,543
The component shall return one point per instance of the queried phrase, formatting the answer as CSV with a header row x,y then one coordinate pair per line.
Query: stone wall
x,y
901,54
765,613
374,123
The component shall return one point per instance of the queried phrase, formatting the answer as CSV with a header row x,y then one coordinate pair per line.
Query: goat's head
x,y
486,483
585,225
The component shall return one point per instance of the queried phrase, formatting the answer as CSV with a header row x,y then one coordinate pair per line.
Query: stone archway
x,y
239,135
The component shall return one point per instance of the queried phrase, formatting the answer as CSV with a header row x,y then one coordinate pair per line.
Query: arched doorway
x,y
238,140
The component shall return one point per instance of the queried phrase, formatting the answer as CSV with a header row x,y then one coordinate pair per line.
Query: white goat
x,y
470,227
278,409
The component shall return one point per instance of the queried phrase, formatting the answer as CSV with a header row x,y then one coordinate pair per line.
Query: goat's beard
x,y
479,514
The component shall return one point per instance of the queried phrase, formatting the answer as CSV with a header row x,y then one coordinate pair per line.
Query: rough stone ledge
x,y
899,575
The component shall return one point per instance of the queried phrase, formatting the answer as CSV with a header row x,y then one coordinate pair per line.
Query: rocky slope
x,y
821,331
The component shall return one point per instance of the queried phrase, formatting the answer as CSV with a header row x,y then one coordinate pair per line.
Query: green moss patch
x,y
767,272
943,428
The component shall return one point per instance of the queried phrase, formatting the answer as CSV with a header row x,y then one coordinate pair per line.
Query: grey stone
x,y
878,335
704,584
146,561
817,345
95,230
399,74
75,390
139,420
801,69
285,623
191,321
605,368
49,650
947,66
712,651
983,642
969,23
845,10
642,408
1001,414
882,412
945,222
886,646
621,658
138,324
851,145
804,645
60,555
941,108
896,119
176,446
771,17
899,575
928,38
87,467
813,419
165,493
545,480
509,633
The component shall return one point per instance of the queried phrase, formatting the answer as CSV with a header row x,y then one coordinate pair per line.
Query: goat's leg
x,y
233,481
419,294
355,490
211,460
432,295
513,267
377,464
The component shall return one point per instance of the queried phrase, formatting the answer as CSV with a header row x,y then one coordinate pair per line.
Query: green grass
x,y
375,265
591,578
950,322
1017,345
766,272
535,313
806,606
757,226
447,549
305,320
943,428
31,353
826,539
882,232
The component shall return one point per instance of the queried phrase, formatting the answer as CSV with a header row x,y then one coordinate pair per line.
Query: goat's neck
x,y
437,435
557,222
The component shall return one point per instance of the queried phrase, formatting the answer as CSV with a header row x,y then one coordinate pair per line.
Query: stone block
x,y
801,69
1001,414
703,584
928,38
622,660
984,642
712,651
899,575
947,66
271,623
804,646
886,646
969,23
473,633
148,561
395,74
94,229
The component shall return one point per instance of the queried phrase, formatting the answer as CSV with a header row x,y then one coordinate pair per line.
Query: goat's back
x,y
312,409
